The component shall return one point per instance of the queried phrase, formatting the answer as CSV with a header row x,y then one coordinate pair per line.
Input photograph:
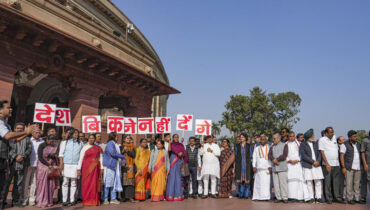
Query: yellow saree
x,y
159,178
141,163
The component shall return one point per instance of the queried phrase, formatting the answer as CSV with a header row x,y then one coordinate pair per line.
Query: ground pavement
x,y
215,204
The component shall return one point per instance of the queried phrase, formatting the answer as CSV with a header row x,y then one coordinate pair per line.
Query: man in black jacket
x,y
192,151
19,160
350,160
311,162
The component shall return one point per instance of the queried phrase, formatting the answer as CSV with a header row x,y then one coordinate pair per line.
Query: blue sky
x,y
212,49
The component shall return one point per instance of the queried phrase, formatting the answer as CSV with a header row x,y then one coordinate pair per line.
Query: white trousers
x,y
200,187
213,184
318,188
72,193
30,186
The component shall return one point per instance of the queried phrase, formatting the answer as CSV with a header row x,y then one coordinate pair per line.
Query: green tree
x,y
286,107
236,113
216,130
361,134
260,112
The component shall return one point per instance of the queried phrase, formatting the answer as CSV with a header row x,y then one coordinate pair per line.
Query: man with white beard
x,y
296,182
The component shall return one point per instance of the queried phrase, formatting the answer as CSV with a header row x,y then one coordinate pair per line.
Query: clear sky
x,y
212,49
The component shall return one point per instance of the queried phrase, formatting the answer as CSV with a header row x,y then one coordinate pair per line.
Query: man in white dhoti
x,y
211,166
262,171
69,155
295,173
199,174
310,160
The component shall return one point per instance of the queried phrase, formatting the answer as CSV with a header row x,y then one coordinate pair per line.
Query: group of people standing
x,y
293,167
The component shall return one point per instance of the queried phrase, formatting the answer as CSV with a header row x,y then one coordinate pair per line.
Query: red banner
x,y
130,125
163,124
145,125
63,117
116,124
44,113
184,122
91,124
203,127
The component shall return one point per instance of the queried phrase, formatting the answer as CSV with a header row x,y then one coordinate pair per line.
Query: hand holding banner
x,y
44,113
63,117
91,124
163,124
130,125
184,122
116,124
145,125
203,127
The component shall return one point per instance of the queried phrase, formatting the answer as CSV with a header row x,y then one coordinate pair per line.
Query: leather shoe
x,y
340,201
278,201
352,202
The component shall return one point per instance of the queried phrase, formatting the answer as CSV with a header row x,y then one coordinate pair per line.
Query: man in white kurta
x,y
296,186
69,154
262,171
211,166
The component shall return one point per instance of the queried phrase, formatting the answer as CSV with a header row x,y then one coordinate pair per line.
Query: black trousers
x,y
3,178
18,185
128,192
194,182
365,183
333,183
60,193
79,190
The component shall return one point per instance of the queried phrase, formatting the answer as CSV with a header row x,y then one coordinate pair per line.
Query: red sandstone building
x,y
78,54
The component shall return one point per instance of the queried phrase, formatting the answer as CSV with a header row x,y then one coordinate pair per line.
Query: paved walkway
x,y
217,204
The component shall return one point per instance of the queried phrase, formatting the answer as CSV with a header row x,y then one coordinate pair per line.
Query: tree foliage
x,y
216,129
361,135
260,112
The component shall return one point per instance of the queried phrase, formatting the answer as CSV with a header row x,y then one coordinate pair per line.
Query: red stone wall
x,y
6,83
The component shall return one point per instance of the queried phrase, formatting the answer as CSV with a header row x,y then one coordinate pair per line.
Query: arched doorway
x,y
46,90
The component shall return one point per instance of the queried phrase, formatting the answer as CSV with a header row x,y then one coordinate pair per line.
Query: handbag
x,y
185,170
54,173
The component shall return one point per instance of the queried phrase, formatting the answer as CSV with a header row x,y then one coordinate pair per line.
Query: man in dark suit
x,y
311,162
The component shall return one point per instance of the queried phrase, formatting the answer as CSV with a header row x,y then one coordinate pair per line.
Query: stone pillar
x,y
83,101
6,82
140,106
23,93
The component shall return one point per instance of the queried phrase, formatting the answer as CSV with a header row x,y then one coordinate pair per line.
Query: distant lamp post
x,y
129,29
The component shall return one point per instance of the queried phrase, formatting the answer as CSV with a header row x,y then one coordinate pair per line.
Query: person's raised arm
x,y
9,135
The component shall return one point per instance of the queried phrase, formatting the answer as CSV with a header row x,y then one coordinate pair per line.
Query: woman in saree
x,y
90,169
178,156
159,166
128,174
227,159
47,162
142,164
